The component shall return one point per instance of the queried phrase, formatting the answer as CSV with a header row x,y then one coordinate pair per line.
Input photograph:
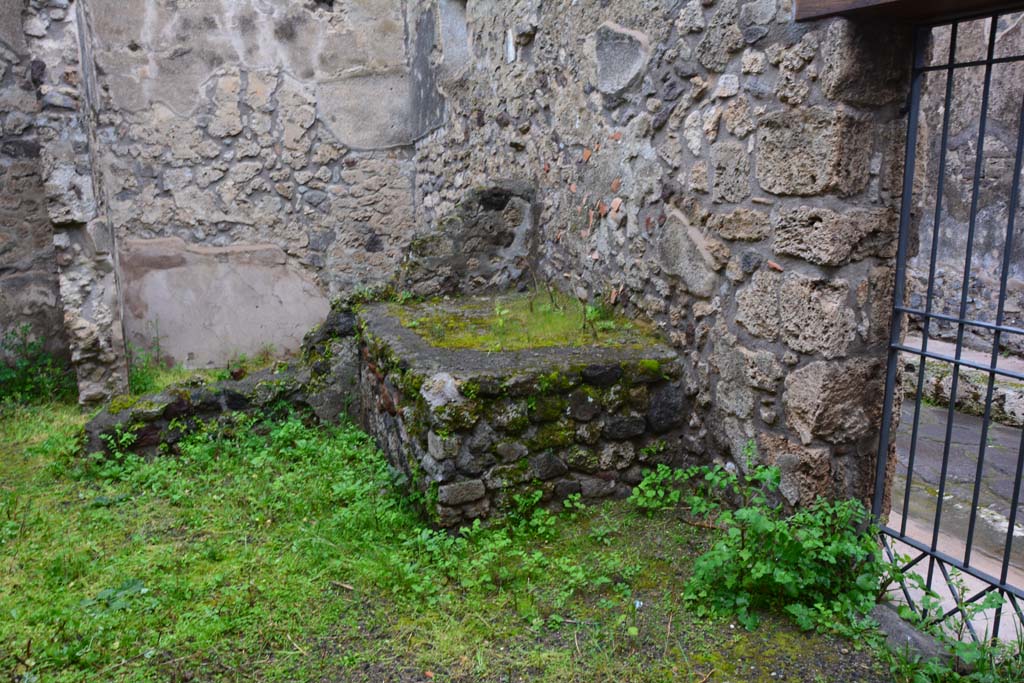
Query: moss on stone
x,y
470,389
511,418
557,382
408,382
649,367
638,398
549,408
583,459
122,402
519,321
146,409
554,435
458,417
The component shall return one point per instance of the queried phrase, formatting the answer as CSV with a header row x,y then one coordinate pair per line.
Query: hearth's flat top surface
x,y
521,321
559,343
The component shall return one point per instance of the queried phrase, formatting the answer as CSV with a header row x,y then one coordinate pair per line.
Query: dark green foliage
x,y
813,559
31,375
974,662
820,558
821,565
658,490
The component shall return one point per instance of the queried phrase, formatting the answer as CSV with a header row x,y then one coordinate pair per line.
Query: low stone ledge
x,y
163,418
322,381
902,637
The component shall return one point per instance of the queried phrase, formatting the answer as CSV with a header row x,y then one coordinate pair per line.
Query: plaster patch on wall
x,y
210,305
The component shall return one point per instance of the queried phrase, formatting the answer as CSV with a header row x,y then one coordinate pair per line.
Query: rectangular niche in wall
x,y
455,42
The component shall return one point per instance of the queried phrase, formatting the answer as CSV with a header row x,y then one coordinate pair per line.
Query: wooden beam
x,y
815,9
902,10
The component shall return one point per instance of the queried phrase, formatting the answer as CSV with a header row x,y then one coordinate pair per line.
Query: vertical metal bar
x,y
975,192
934,256
896,323
1016,607
997,336
903,582
1009,603
998,619
1012,521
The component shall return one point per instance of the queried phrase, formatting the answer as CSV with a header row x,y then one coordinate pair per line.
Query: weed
x,y
30,374
817,558
654,448
985,660
573,503
658,489
146,364
821,565
602,534
143,370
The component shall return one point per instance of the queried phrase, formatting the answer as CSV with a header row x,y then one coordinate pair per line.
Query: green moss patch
x,y
515,322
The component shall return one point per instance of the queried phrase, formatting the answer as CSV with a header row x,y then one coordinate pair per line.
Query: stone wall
x,y
712,166
1000,145
28,271
223,129
707,164
275,125
61,71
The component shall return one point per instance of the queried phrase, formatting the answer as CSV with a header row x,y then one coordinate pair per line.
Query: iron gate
x,y
945,80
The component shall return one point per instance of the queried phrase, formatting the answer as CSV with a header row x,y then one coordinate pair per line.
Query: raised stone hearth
x,y
471,428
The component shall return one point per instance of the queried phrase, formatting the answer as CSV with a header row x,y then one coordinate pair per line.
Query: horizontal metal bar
x,y
953,562
961,362
910,565
974,62
954,319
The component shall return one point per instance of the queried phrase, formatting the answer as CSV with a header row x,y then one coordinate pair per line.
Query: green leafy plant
x,y
574,504
812,559
527,517
818,559
116,599
654,448
659,489
143,370
28,373
145,365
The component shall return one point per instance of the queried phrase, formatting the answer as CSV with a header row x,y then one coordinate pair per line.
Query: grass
x,y
148,372
521,321
278,551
